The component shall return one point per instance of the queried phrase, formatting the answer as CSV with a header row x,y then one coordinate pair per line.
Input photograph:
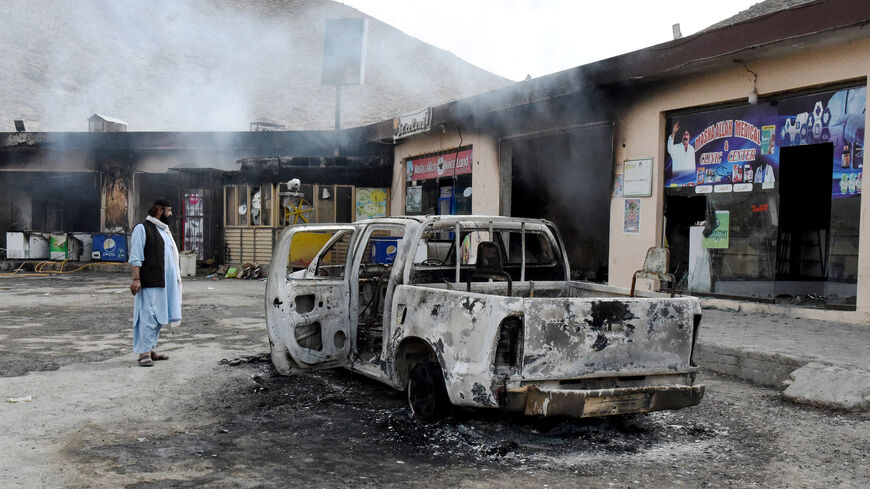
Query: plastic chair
x,y
655,267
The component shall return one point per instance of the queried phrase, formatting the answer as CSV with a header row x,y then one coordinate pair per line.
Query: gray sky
x,y
514,38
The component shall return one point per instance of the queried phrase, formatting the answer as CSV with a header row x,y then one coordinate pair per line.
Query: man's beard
x,y
164,219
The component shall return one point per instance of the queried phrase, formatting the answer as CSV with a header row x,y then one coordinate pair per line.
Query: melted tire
x,y
427,394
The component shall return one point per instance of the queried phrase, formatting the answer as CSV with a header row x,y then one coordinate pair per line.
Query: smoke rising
x,y
207,65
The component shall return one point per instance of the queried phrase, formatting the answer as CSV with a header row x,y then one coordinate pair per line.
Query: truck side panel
x,y
461,327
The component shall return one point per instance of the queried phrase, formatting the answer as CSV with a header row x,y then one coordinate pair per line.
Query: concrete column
x,y
486,176
505,171
863,299
397,192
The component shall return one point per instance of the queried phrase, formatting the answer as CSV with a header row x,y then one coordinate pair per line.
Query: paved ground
x,y
795,337
215,415
823,363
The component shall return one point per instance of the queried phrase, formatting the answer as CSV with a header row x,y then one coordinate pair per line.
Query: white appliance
x,y
87,243
26,245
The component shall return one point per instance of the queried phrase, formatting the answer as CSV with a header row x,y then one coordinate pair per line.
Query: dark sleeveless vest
x,y
152,273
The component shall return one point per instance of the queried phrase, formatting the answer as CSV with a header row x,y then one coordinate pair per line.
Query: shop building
x,y
757,160
540,148
764,202
778,185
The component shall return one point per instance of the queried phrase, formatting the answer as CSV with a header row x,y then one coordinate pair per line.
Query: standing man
x,y
682,153
156,283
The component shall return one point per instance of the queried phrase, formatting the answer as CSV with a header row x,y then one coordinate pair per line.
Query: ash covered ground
x,y
217,415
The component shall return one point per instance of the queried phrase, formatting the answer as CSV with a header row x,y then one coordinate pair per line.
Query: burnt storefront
x,y
268,194
763,200
564,176
94,187
50,201
539,149
195,192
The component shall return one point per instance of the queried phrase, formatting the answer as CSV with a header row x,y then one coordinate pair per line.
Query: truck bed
x,y
577,330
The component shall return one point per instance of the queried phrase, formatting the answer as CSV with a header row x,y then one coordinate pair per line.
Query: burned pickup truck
x,y
475,311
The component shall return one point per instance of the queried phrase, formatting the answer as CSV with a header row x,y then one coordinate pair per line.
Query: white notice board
x,y
637,181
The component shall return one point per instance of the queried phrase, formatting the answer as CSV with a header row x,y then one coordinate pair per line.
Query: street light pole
x,y
337,119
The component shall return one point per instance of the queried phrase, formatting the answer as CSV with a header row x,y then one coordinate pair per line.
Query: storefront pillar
x,y
505,170
863,292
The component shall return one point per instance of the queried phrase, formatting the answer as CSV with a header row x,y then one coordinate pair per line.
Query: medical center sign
x,y
728,129
737,149
445,165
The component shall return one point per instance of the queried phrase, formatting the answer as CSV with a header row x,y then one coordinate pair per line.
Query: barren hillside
x,y
208,65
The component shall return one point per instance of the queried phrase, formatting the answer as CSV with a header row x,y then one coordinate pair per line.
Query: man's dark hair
x,y
153,211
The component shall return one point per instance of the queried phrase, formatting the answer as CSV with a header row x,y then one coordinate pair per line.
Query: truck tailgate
x,y
569,338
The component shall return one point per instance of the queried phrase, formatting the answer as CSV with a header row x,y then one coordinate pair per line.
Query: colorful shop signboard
x,y
371,202
445,165
738,149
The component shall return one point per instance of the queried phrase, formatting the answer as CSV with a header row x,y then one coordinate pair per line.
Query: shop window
x,y
439,184
249,205
843,249
462,195
763,200
296,206
236,205
256,200
261,205
343,203
333,203
192,225
325,207
723,243
229,206
268,205
421,198
443,196
316,204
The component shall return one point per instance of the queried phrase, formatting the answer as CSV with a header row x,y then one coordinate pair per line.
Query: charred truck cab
x,y
475,311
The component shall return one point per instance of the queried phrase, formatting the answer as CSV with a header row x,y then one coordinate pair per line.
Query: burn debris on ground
x,y
258,358
333,429
365,412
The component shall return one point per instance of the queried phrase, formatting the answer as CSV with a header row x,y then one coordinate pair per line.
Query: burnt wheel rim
x,y
421,394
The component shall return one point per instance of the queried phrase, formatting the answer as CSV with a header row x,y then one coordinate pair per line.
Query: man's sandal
x,y
145,360
157,356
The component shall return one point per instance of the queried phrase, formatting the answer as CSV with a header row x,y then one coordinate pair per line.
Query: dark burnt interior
x,y
565,177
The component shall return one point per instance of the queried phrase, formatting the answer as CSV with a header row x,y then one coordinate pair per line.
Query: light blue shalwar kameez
x,y
154,307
